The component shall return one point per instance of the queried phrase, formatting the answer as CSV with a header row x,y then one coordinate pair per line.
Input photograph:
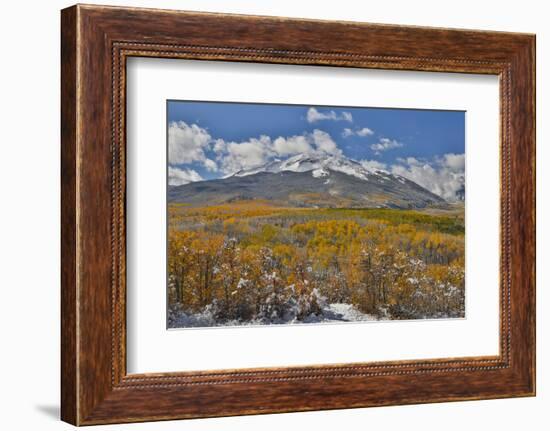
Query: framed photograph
x,y
265,215
307,228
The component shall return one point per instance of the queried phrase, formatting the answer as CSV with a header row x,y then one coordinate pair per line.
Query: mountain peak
x,y
319,164
310,180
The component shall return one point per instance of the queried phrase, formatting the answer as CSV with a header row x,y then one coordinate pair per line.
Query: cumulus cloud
x,y
313,115
254,152
385,144
210,165
347,132
219,147
248,154
443,176
178,177
190,143
365,131
317,141
292,145
373,165
324,143
187,143
455,162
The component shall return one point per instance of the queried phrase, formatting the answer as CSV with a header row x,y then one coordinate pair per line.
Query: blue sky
x,y
210,139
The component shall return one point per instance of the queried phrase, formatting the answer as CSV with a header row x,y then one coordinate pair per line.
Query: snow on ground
x,y
331,313
318,173
346,313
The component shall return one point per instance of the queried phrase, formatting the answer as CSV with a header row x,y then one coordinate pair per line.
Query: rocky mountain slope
x,y
310,181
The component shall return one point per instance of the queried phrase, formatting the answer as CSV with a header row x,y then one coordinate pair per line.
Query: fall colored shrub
x,y
255,262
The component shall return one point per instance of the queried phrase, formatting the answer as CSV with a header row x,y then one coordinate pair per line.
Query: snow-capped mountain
x,y
319,166
310,181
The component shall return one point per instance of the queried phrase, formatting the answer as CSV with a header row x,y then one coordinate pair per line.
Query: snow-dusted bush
x,y
262,268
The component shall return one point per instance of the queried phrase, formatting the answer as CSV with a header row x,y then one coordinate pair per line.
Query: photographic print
x,y
300,214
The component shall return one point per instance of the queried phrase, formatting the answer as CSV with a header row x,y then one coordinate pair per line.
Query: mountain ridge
x,y
314,163
310,181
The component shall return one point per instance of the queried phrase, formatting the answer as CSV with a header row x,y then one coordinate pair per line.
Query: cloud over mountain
x,y
235,156
319,180
192,147
178,177
444,176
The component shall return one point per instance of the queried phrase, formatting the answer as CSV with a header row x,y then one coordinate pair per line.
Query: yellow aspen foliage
x,y
250,260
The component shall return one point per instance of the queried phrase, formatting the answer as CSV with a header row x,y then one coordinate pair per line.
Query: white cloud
x,y
346,116
324,143
412,161
211,165
455,162
313,115
443,176
363,132
178,177
234,156
292,145
187,143
347,132
373,165
190,144
219,147
385,144
248,154
308,143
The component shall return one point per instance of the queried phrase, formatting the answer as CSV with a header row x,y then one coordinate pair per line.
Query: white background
x,y
29,228
151,348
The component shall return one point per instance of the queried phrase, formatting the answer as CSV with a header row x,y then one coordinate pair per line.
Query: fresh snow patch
x,y
318,173
319,164
330,313
347,313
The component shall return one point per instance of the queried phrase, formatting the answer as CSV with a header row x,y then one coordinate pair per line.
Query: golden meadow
x,y
253,261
